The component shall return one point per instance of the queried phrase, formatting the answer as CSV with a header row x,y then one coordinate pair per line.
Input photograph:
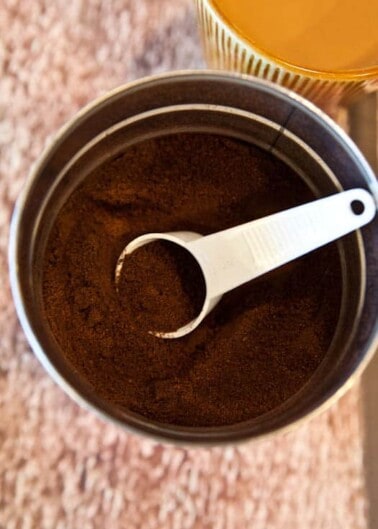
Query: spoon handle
x,y
237,255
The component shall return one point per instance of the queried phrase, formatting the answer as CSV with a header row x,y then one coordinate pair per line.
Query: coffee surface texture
x,y
256,349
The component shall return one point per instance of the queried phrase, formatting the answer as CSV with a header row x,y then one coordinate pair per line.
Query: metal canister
x,y
237,106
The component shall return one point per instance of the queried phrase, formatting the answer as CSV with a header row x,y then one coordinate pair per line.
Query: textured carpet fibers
x,y
61,467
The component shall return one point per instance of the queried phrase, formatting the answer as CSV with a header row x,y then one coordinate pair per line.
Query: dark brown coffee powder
x,y
262,342
161,287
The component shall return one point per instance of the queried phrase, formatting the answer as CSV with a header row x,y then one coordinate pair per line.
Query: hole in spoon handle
x,y
357,206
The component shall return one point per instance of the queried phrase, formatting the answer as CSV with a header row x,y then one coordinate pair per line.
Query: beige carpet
x,y
60,467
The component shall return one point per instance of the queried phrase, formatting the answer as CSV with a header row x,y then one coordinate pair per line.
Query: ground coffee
x,y
161,286
262,342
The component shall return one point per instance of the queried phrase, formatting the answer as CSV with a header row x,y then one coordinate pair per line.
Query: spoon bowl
x,y
181,238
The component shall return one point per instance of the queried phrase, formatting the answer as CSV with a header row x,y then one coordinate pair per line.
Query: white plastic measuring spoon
x,y
234,256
